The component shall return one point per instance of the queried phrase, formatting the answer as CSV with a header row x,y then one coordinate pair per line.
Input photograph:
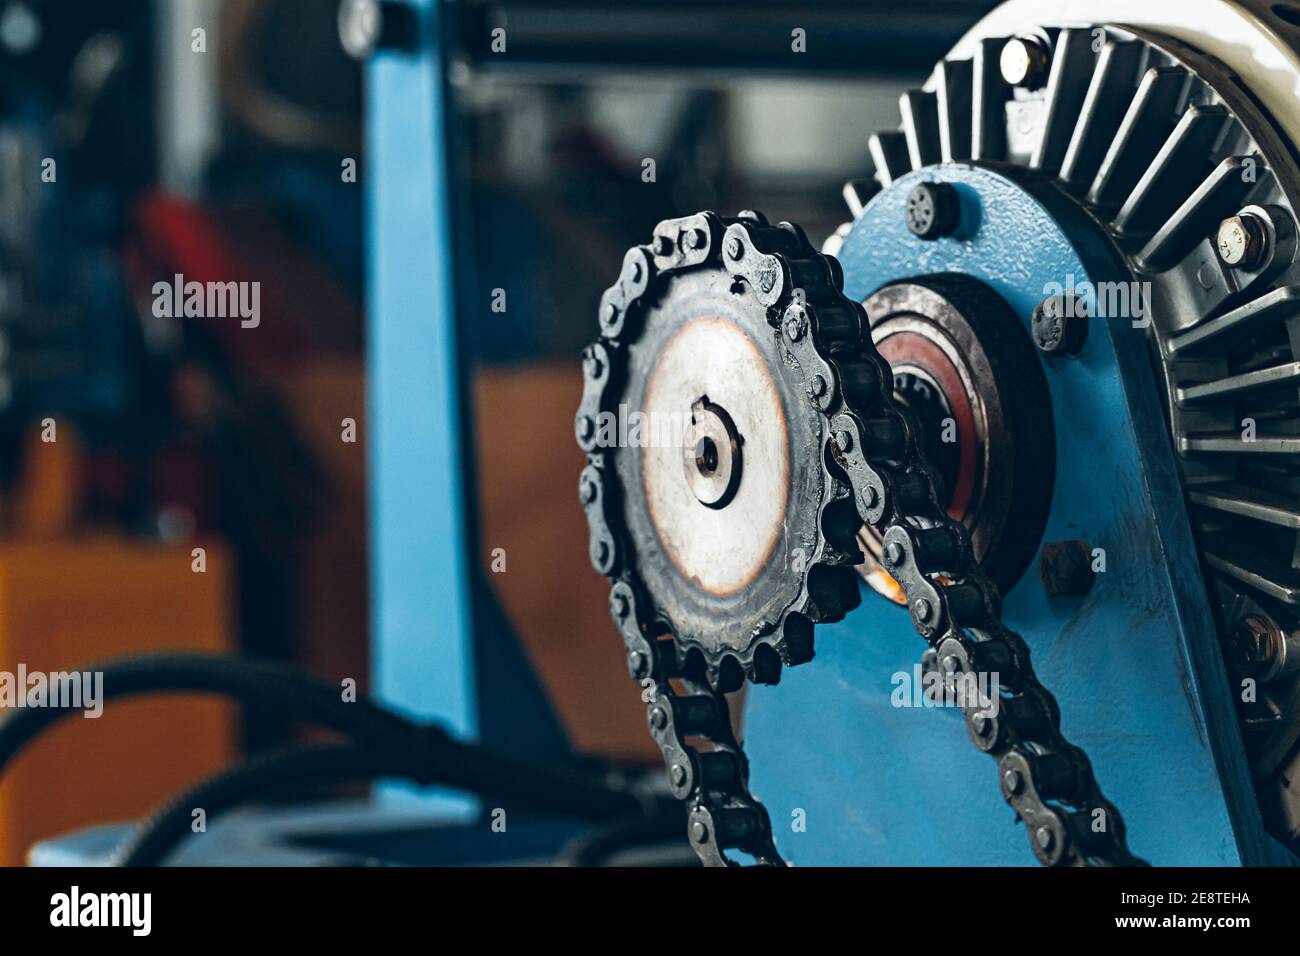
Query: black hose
x,y
272,773
426,753
286,691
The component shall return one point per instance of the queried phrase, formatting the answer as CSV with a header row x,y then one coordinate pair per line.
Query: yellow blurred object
x,y
70,602
48,491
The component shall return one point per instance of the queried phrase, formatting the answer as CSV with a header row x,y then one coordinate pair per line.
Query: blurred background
x,y
133,148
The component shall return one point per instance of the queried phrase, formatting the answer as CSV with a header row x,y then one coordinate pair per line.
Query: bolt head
x,y
735,248
1241,241
699,832
818,386
922,609
1024,61
1060,325
933,210
794,328
697,239
658,718
678,774
870,497
1257,642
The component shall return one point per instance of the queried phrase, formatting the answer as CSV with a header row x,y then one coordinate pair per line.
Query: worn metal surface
x,y
881,784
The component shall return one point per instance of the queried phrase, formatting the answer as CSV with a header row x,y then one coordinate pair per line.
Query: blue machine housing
x,y
849,778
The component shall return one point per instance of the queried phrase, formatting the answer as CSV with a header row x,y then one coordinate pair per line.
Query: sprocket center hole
x,y
706,456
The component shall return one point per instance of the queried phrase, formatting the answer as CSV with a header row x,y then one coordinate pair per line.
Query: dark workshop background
x,y
177,433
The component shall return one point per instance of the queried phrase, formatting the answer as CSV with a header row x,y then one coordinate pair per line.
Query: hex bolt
x,y
735,248
1251,640
1024,62
933,210
1060,325
1242,241
894,554
1065,568
1263,649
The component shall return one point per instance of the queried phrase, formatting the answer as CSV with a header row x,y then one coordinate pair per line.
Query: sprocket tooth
x,y
795,643
833,591
729,675
765,667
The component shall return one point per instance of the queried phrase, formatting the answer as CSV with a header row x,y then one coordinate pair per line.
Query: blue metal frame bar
x,y
422,655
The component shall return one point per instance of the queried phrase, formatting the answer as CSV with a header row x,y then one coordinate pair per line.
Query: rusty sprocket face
x,y
731,522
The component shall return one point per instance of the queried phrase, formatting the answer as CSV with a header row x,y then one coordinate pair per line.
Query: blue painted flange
x,y
880,784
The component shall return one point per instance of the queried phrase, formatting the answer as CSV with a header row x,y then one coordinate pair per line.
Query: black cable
x,y
289,692
427,753
277,771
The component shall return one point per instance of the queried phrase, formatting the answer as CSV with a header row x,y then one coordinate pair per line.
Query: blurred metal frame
x,y
427,655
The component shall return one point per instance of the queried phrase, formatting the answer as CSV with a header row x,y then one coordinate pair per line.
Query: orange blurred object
x,y
69,603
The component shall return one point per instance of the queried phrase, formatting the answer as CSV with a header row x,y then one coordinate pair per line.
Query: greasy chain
x,y
873,456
